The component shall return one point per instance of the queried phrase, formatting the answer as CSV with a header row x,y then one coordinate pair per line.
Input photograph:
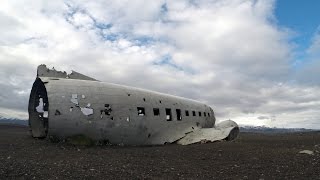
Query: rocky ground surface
x,y
251,156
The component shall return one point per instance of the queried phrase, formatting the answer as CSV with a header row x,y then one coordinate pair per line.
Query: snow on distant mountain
x,y
14,121
264,129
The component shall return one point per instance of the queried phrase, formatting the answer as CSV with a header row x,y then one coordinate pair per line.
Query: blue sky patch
x,y
303,18
167,60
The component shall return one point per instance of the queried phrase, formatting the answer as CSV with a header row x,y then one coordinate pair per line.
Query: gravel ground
x,y
251,156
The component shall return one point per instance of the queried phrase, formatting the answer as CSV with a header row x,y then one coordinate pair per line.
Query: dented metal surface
x,y
63,105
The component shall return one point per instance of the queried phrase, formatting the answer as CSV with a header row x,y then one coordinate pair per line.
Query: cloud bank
x,y
231,55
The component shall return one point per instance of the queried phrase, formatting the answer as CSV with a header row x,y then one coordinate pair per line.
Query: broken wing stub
x,y
226,130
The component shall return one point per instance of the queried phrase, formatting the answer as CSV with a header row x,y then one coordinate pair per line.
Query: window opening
x,y
204,113
193,113
156,111
199,114
179,117
141,111
187,113
168,114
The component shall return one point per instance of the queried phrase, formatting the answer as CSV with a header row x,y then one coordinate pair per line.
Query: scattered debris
x,y
306,152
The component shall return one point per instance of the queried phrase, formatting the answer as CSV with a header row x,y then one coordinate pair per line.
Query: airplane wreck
x,y
62,105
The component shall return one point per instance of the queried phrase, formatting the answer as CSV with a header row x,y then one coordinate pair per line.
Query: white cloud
x,y
229,54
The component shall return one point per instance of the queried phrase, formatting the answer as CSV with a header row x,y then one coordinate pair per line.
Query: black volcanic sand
x,y
251,156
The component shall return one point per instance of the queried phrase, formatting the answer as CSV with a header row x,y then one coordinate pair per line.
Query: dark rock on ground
x,y
251,156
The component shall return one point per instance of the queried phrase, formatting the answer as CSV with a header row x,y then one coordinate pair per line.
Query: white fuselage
x,y
62,107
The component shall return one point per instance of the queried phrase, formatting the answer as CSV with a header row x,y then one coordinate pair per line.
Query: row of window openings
x,y
156,112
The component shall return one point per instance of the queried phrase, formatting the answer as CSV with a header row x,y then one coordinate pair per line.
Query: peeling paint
x,y
87,111
74,96
74,99
45,114
39,108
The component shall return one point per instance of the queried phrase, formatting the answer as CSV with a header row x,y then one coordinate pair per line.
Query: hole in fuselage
x,y
38,110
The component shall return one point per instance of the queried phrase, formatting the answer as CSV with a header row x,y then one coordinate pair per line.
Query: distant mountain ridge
x,y
269,130
13,121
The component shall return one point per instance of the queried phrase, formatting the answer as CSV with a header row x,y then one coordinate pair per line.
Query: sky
x,y
253,61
